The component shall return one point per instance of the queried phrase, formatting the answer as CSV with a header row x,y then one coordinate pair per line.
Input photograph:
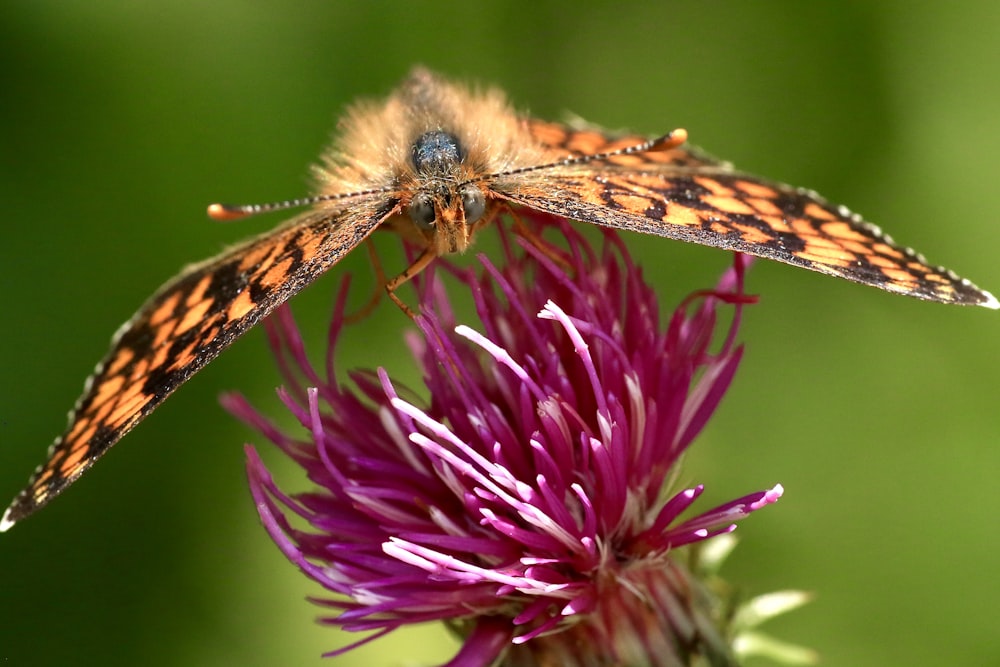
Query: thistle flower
x,y
530,501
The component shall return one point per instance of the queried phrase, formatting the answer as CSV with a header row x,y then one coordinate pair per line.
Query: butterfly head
x,y
444,207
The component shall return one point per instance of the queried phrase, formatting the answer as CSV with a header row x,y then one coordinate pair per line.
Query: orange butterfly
x,y
436,162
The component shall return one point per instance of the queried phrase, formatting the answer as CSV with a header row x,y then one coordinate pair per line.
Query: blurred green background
x,y
120,121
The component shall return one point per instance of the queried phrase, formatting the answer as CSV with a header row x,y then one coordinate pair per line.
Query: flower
x,y
531,500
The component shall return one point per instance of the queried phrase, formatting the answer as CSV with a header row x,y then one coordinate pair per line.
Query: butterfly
x,y
435,162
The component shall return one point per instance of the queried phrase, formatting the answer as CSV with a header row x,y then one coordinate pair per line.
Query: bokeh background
x,y
120,121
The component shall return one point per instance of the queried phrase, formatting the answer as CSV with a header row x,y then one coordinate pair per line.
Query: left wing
x,y
186,324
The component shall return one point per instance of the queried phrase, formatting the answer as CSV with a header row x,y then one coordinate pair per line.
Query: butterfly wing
x,y
682,195
186,324
571,141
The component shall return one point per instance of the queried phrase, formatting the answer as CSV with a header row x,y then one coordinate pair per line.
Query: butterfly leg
x,y
380,286
522,229
418,265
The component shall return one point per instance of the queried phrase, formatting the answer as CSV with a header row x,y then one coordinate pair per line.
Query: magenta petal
x,y
484,644
526,493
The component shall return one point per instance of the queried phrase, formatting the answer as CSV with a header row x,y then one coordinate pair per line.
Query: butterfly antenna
x,y
228,212
664,143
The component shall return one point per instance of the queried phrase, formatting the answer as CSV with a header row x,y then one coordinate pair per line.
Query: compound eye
x,y
421,211
473,202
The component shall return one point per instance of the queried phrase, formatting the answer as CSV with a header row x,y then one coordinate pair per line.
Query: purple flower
x,y
531,499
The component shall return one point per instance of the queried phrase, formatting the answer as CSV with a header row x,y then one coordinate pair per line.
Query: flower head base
x,y
529,500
